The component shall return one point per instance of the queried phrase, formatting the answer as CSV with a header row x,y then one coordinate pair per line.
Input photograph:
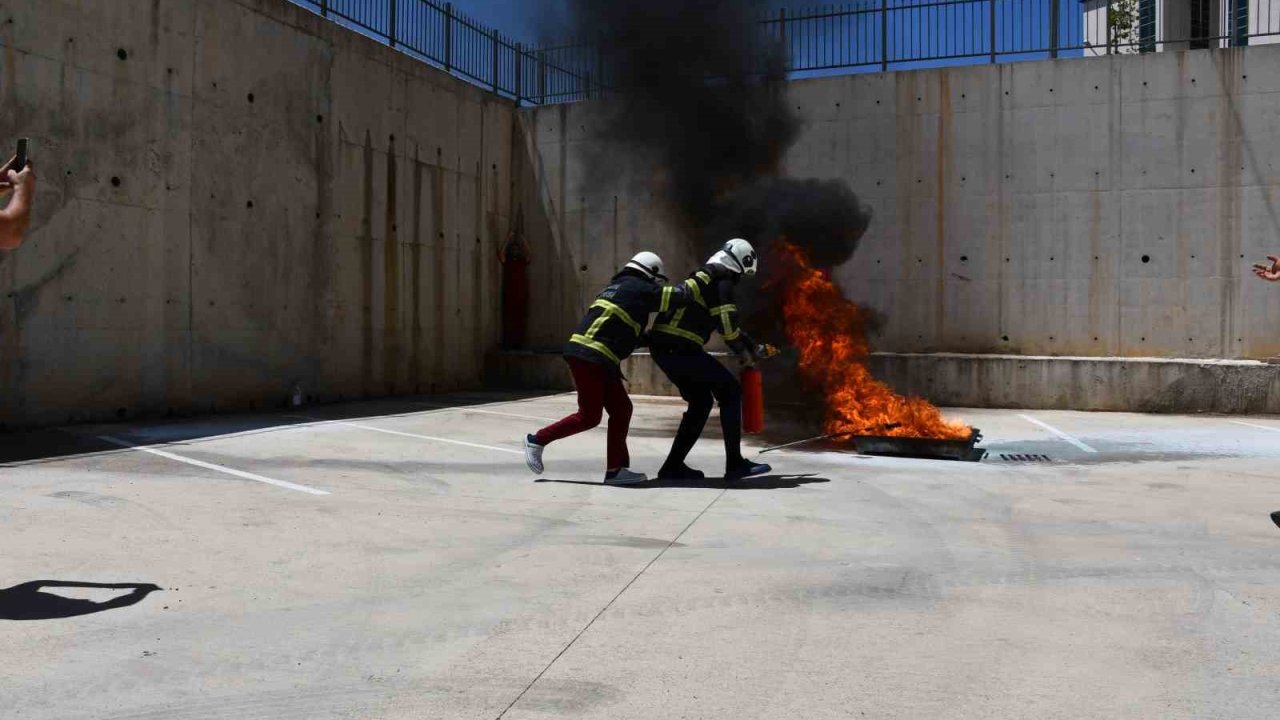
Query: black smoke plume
x,y
697,88
824,217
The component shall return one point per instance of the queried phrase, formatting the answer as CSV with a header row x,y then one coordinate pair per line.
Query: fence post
x,y
884,35
1054,12
494,39
600,68
448,37
542,76
992,4
519,71
391,26
1107,20
782,39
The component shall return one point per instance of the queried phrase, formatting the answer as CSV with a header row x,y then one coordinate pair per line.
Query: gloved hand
x,y
764,351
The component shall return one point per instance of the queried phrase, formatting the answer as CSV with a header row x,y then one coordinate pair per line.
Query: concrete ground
x,y
1134,573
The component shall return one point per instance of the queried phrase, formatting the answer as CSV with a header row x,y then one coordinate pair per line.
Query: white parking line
x,y
1059,433
1259,427
510,415
473,409
211,466
429,437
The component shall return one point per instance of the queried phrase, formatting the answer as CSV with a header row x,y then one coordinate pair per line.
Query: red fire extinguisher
x,y
753,392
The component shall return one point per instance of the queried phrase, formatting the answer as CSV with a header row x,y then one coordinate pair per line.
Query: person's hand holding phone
x,y
1269,272
12,178
18,180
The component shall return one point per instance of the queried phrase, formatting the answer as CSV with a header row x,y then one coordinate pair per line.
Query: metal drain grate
x,y
1025,458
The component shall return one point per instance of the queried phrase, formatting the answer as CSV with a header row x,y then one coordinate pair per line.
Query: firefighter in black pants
x,y
677,344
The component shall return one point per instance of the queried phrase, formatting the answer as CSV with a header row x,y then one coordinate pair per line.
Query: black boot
x,y
680,472
744,468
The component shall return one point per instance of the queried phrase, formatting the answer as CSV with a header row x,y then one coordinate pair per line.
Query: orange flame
x,y
829,332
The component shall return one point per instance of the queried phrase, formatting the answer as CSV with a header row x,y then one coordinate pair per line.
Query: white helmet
x,y
649,264
738,256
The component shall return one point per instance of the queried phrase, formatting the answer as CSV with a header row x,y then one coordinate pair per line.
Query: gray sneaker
x,y
624,476
533,454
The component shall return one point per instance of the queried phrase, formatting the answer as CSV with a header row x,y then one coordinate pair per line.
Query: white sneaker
x,y
624,476
533,454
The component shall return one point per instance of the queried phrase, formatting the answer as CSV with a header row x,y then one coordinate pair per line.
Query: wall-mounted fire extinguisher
x,y
753,392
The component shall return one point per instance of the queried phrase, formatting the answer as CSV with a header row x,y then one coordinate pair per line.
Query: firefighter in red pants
x,y
607,335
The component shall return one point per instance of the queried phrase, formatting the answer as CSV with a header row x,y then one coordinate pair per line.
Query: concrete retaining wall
x,y
238,197
1158,385
1093,207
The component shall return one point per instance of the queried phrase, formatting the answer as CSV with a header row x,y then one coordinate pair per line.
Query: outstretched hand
x,y
1269,272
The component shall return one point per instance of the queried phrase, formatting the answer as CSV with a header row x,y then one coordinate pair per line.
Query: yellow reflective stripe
x,y
703,277
611,310
680,332
726,321
667,292
597,346
595,326
697,291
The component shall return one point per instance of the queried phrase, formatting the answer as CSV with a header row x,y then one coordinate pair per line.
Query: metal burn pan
x,y
925,448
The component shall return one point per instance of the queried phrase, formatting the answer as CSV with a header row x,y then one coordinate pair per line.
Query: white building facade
x,y
1164,25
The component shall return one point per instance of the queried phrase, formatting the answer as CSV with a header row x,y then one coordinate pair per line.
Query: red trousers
x,y
599,388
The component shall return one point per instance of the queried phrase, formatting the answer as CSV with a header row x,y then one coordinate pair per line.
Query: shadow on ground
x,y
764,482
28,601
31,446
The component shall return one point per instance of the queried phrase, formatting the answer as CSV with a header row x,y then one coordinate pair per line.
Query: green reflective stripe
x,y
611,310
723,309
667,292
597,346
697,291
703,277
733,335
680,332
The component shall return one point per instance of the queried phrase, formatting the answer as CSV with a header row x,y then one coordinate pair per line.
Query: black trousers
x,y
702,379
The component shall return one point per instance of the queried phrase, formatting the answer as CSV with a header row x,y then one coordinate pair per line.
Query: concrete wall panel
x,y
1018,201
238,196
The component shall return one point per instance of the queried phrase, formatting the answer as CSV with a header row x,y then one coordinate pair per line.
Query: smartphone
x,y
20,162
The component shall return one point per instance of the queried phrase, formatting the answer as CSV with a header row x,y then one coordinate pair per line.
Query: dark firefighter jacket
x,y
612,327
687,329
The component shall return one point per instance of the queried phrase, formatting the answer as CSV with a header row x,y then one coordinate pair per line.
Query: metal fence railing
x,y
891,33
867,35
881,35
438,34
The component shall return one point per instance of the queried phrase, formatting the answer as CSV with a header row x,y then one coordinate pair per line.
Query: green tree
x,y
1122,25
